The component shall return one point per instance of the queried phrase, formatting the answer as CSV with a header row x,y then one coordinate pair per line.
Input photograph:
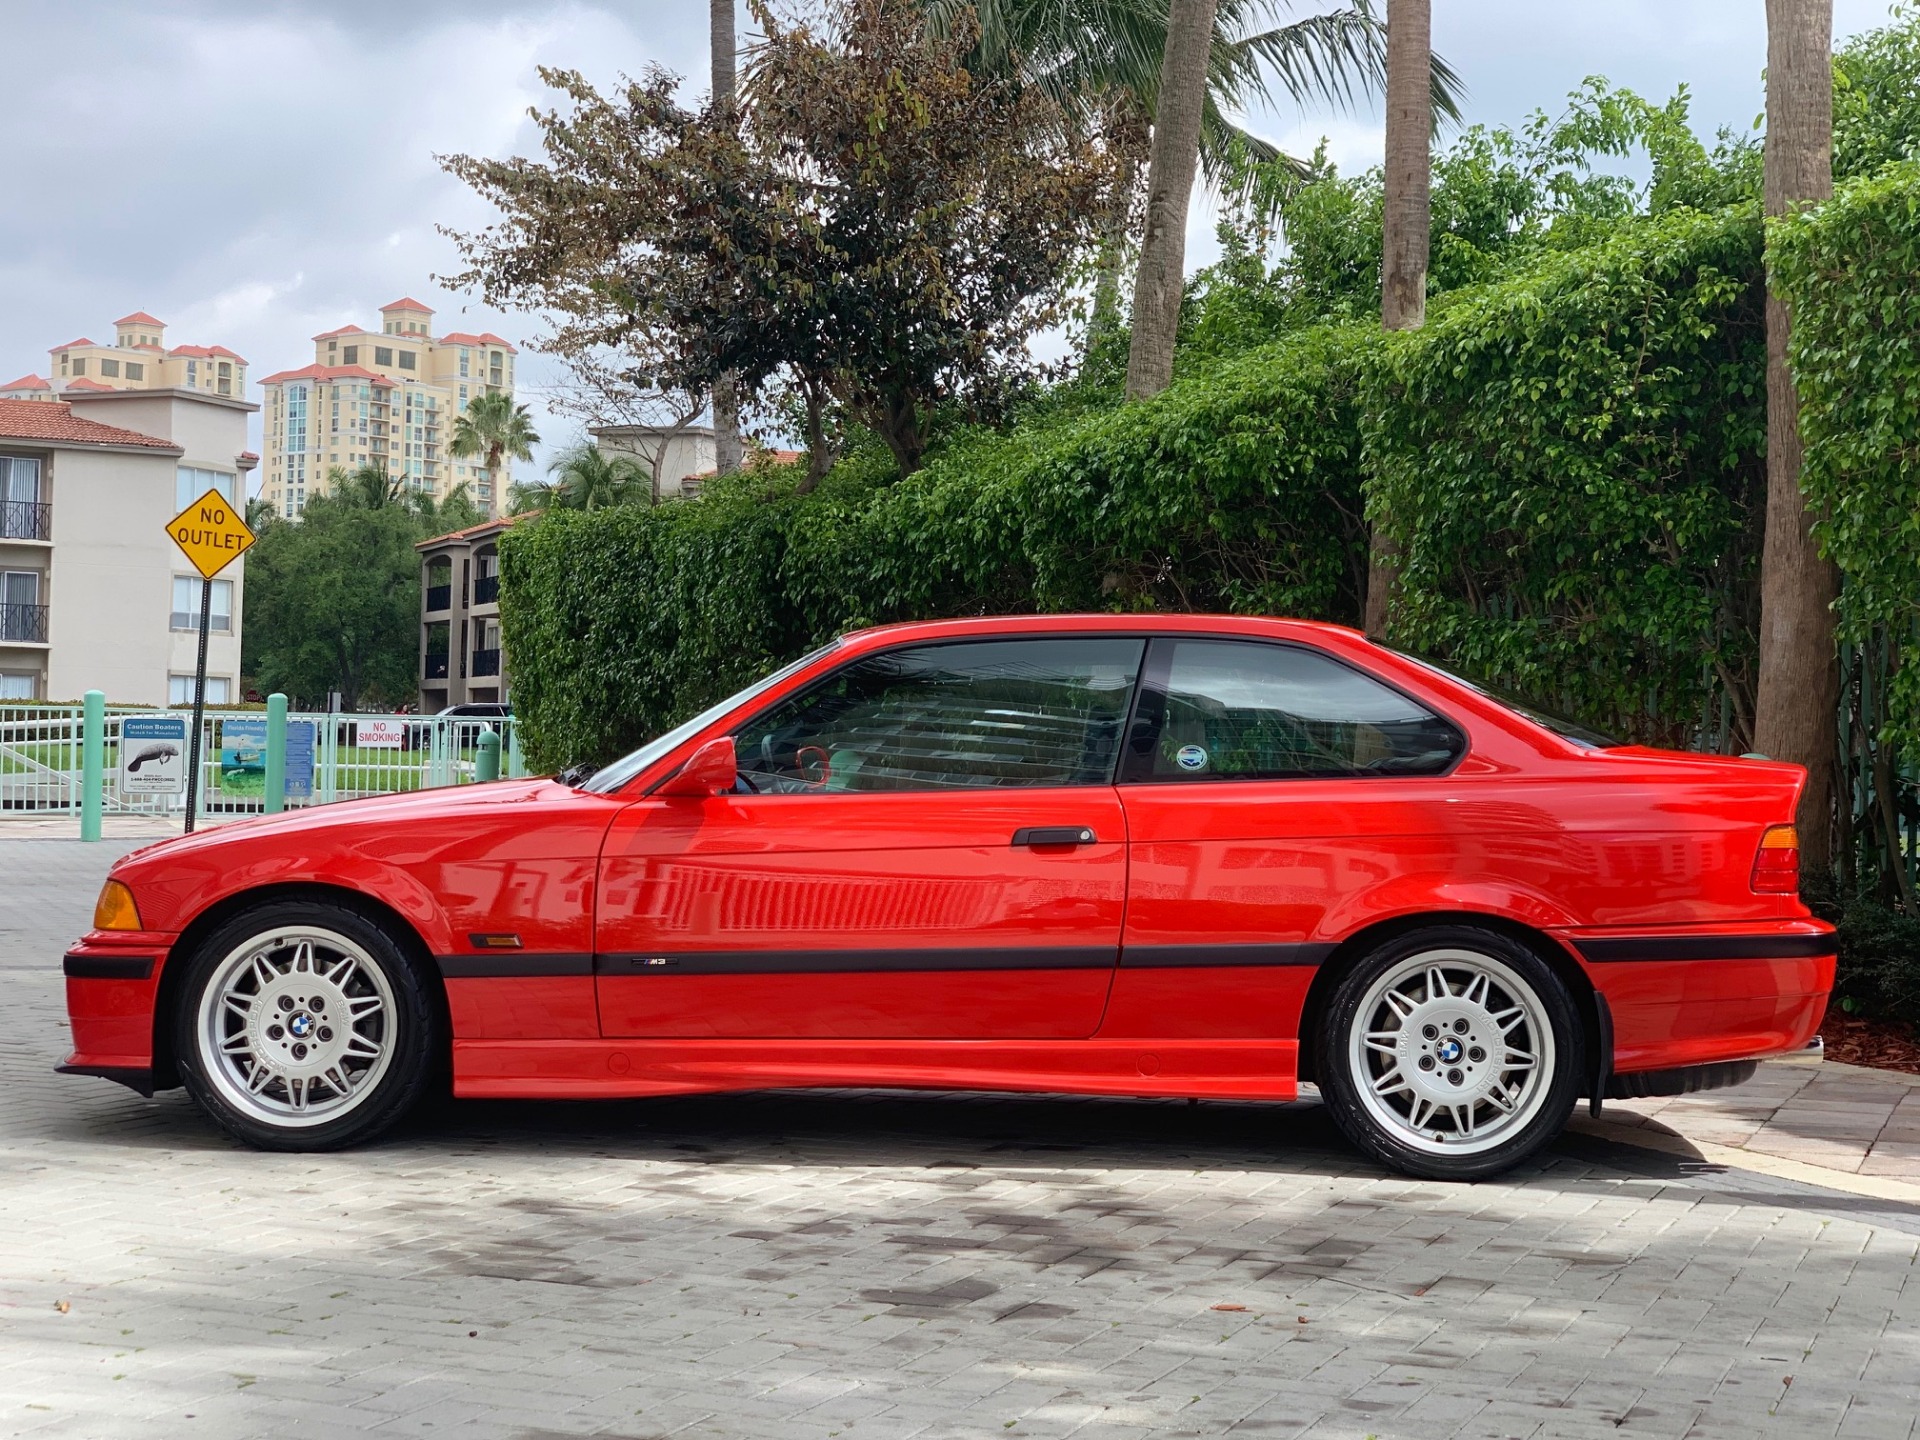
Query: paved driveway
x,y
863,1264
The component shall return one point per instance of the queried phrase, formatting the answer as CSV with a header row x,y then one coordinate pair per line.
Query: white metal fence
x,y
42,753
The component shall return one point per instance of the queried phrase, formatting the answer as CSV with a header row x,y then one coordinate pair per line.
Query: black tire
x,y
365,1096
1425,1043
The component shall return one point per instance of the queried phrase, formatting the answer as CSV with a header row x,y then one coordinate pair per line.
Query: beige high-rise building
x,y
388,399
138,359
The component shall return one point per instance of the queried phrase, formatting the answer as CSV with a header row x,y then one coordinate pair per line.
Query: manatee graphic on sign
x,y
243,757
153,755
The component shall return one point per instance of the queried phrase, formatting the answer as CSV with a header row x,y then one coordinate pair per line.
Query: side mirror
x,y
708,771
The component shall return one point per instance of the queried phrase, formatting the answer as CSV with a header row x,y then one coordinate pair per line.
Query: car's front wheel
x,y
305,1026
1451,1053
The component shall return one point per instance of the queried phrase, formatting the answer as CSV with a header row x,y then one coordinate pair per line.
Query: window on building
x,y
18,685
80,366
383,355
186,605
19,480
180,690
406,359
193,373
136,370
109,368
351,355
190,483
463,362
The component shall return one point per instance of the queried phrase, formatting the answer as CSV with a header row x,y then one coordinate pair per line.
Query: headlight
x,y
115,910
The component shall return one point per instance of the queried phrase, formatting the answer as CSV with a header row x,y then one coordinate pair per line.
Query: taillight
x,y
1776,869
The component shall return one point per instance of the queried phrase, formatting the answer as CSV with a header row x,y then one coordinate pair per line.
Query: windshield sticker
x,y
1190,757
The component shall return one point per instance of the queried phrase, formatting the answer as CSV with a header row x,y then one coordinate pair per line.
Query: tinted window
x,y
1233,710
970,715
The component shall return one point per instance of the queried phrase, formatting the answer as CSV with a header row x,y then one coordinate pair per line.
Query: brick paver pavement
x,y
863,1264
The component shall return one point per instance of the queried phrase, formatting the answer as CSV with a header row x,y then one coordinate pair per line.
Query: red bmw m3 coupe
x,y
1115,855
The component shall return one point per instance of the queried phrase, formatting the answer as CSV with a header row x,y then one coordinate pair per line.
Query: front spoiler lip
x,y
138,1078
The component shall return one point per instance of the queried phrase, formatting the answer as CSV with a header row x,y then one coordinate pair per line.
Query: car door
x,y
925,844
1265,784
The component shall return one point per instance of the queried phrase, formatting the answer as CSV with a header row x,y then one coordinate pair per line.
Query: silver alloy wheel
x,y
295,1027
1451,1052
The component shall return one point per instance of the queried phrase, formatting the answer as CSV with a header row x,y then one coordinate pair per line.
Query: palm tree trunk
x,y
727,454
1794,714
1406,220
1173,159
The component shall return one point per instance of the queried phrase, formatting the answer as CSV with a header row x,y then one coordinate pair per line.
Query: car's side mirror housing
x,y
708,771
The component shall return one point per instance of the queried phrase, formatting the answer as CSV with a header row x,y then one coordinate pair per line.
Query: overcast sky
x,y
254,172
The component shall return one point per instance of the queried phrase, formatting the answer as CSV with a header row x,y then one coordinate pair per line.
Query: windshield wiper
x,y
577,775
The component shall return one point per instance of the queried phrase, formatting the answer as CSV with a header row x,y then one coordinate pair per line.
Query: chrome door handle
x,y
1032,835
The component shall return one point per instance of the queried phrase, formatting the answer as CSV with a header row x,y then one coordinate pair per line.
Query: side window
x,y
962,716
1239,710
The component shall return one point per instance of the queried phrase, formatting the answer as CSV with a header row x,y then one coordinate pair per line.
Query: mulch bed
x,y
1884,1044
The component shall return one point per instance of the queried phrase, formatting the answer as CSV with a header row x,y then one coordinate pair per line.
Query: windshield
x,y
1566,729
613,776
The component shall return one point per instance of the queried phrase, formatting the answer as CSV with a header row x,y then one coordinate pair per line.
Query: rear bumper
x,y
1686,997
134,1077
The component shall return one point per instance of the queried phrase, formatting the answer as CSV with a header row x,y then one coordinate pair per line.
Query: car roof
x,y
982,626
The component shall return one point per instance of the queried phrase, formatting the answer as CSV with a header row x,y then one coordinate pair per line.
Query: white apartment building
x,y
388,399
93,593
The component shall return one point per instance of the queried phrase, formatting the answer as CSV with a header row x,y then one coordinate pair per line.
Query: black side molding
x,y
134,1077
1687,1080
1705,947
108,967
511,965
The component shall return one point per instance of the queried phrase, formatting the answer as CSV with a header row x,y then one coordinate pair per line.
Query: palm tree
x,y
726,399
1101,61
365,487
1161,279
1406,222
493,430
1794,709
587,478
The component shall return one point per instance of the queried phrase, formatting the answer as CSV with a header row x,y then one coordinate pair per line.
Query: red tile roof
x,y
406,303
140,317
485,337
54,420
28,382
225,354
327,373
503,523
70,345
85,384
343,330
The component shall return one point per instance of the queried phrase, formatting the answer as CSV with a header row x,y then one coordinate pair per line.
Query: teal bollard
x,y
276,780
486,764
93,762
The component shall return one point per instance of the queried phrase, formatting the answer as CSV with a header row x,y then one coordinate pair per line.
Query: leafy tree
x,y
726,397
366,487
493,430
880,233
587,478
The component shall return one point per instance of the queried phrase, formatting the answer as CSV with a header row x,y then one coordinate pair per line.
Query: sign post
x,y
212,536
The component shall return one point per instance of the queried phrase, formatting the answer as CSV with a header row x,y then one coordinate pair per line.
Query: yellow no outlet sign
x,y
210,534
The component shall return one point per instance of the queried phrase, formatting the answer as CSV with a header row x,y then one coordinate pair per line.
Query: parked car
x,y
1118,855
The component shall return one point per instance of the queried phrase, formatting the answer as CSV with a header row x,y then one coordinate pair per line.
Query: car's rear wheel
x,y
1451,1053
305,1026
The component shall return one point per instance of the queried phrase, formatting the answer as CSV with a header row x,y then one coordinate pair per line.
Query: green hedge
x,y
1849,269
1238,489
1572,462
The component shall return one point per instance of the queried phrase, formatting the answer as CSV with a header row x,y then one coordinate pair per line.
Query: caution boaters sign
x,y
210,534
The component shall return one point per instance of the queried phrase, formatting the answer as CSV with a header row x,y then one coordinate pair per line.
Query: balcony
x,y
486,662
27,625
435,667
486,590
25,520
439,597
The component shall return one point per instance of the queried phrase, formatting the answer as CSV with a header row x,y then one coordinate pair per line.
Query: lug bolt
x,y
274,1032
1453,1076
286,1002
319,1003
1426,1062
299,1051
1460,1027
1476,1054
326,1032
1428,1031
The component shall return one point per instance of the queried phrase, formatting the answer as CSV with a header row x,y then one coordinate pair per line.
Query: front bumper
x,y
113,983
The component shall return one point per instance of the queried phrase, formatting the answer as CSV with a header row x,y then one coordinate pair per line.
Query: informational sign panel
x,y
153,754
210,534
299,759
243,757
380,734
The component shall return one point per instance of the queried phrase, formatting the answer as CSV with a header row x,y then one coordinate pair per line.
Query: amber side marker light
x,y
1776,869
115,910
